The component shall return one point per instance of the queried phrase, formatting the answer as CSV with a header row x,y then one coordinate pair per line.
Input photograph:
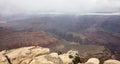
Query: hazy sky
x,y
58,6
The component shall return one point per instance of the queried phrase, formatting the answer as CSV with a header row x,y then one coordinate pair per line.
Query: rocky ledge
x,y
39,55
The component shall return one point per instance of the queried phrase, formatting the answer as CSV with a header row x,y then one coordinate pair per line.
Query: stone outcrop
x,y
3,59
93,61
39,55
35,55
112,62
96,61
68,57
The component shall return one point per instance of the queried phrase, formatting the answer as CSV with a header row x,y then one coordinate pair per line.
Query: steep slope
x,y
13,39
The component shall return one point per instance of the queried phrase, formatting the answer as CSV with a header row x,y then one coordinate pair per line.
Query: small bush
x,y
76,60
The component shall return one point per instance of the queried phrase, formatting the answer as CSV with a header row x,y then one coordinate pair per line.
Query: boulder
x,y
68,57
3,59
111,61
93,61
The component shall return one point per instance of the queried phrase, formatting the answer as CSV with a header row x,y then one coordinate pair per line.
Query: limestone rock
x,y
3,59
66,57
40,55
93,61
111,61
30,55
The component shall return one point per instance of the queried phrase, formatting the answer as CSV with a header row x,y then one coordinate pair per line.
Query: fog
x,y
58,6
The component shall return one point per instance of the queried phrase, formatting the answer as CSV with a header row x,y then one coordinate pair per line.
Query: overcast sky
x,y
58,6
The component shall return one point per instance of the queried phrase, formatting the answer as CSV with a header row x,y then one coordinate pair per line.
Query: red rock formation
x,y
20,39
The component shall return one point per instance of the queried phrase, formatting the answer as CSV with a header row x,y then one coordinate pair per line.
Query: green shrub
x,y
76,60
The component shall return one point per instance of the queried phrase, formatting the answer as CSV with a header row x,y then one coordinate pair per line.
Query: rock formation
x,y
35,55
112,62
93,61
39,55
12,39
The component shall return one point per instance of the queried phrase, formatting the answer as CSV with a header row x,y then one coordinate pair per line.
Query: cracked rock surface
x,y
40,55
31,55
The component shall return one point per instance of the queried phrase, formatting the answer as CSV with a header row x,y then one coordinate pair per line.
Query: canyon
x,y
85,33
